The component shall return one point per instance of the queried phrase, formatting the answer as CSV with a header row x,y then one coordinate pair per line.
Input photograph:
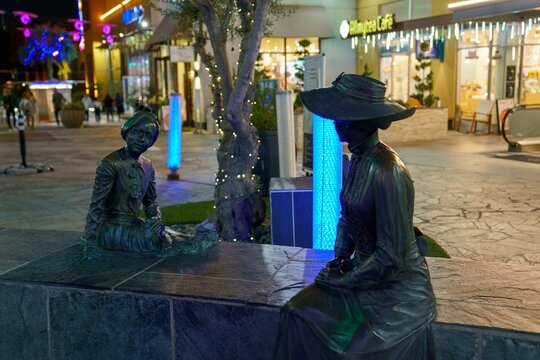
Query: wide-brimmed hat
x,y
354,98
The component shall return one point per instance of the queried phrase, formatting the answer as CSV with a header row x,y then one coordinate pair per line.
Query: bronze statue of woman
x,y
374,300
124,181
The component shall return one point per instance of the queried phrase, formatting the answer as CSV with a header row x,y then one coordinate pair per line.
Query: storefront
x,y
476,54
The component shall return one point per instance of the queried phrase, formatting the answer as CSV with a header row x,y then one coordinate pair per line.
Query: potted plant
x,y
424,80
72,115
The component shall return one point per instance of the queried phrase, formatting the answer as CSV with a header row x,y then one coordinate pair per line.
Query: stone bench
x,y
224,303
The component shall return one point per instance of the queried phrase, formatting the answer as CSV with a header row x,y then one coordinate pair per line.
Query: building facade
x,y
479,50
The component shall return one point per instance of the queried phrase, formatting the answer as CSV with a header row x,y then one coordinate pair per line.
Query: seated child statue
x,y
124,180
375,299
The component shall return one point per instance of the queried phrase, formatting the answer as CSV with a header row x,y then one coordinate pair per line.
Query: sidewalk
x,y
475,205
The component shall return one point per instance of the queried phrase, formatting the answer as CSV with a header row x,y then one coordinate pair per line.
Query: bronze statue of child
x,y
375,299
124,181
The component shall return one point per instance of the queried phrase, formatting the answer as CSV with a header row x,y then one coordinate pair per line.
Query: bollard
x,y
174,158
285,124
22,141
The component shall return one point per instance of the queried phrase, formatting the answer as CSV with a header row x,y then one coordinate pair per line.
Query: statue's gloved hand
x,y
335,264
332,277
90,249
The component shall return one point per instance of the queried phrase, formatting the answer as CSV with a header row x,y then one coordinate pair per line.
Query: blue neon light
x,y
326,183
175,132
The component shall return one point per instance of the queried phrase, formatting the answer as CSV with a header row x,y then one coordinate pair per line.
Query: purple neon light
x,y
109,39
25,19
106,29
27,33
76,36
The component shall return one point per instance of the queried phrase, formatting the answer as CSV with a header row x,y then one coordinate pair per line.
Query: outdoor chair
x,y
481,115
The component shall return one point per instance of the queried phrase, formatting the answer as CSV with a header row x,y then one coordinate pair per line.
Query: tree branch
x,y
218,42
245,70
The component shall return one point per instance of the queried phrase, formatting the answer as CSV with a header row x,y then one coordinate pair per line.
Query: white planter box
x,y
425,124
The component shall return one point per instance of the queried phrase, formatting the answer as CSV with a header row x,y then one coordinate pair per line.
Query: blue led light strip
x,y
326,183
175,132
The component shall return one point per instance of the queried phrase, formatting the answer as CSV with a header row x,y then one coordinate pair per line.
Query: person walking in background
x,y
33,109
9,102
119,99
28,106
58,100
97,109
87,102
108,103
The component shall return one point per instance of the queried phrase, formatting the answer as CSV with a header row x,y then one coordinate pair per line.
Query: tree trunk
x,y
239,205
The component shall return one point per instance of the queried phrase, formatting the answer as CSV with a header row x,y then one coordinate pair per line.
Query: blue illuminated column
x,y
326,183
174,159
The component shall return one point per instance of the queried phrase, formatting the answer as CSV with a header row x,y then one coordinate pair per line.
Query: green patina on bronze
x,y
375,299
125,181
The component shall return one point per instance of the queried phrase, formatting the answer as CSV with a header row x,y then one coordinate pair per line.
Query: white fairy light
x,y
512,31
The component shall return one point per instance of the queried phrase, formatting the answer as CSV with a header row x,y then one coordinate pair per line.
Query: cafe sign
x,y
366,27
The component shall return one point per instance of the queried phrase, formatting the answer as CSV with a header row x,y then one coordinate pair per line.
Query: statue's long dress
x,y
387,312
121,186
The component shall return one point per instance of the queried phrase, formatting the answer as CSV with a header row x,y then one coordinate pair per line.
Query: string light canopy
x,y
403,38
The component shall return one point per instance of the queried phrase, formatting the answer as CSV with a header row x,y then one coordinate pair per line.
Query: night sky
x,y
47,10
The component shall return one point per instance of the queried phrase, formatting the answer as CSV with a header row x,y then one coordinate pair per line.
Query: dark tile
x,y
303,218
455,344
292,278
23,322
103,325
192,286
7,265
511,347
63,268
322,256
282,218
218,331
27,245
227,260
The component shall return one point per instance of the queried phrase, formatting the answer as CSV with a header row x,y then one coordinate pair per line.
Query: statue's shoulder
x,y
115,156
386,160
145,161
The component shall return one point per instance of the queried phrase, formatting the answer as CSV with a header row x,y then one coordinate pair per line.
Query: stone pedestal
x,y
224,303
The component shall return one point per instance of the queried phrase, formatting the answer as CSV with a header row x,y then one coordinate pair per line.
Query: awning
x,y
305,21
512,9
162,33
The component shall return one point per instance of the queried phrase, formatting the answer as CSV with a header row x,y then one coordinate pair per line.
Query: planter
x,y
267,166
424,125
72,118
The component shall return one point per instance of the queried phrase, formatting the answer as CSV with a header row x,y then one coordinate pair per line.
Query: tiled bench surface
x,y
224,303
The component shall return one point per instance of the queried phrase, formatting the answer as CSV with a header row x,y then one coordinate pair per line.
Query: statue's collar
x,y
125,155
365,144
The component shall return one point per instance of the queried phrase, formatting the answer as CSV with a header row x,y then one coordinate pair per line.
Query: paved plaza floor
x,y
475,205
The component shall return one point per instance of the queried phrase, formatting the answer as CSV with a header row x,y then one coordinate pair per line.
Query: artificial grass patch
x,y
189,213
197,212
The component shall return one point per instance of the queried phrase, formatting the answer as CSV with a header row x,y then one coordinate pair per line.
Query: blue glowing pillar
x,y
326,183
174,159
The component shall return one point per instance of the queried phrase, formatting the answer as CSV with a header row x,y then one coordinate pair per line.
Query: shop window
x,y
472,77
396,71
281,59
530,77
